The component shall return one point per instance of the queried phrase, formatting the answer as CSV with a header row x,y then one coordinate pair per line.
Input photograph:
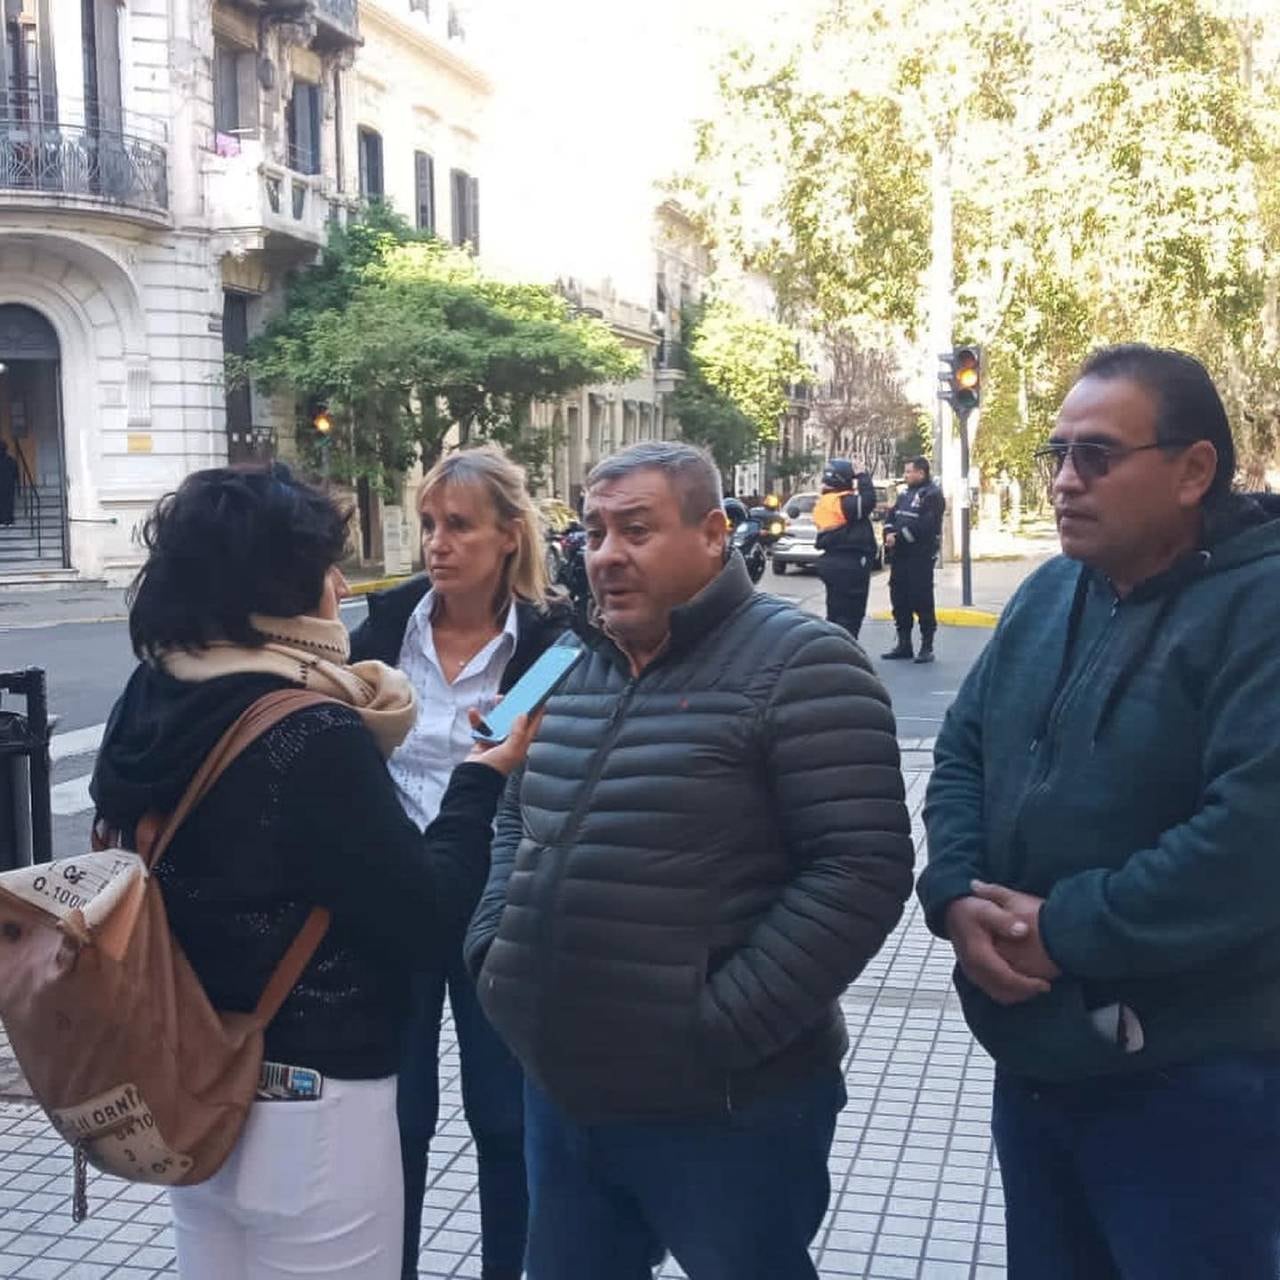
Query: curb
x,y
375,584
953,617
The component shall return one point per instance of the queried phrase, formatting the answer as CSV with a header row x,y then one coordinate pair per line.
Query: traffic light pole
x,y
941,314
966,559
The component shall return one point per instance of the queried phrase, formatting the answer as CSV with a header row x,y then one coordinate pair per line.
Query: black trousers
x,y
911,594
847,578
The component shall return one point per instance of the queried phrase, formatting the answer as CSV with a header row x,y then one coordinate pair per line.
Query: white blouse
x,y
441,738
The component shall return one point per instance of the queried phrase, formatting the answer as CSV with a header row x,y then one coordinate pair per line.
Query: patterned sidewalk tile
x,y
915,1192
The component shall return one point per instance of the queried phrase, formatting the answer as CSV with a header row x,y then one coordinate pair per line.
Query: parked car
x,y
797,548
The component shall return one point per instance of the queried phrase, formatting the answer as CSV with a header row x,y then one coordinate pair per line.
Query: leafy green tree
x,y
403,338
1115,172
737,388
795,466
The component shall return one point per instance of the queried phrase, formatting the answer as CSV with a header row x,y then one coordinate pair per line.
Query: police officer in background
x,y
911,533
847,541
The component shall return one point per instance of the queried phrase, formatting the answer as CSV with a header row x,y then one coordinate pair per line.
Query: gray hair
x,y
691,473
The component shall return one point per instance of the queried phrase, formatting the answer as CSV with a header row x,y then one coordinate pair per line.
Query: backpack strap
x,y
155,835
291,965
264,714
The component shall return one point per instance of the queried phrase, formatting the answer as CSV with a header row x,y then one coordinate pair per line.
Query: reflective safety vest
x,y
828,512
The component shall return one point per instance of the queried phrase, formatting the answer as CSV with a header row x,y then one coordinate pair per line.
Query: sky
x,y
594,105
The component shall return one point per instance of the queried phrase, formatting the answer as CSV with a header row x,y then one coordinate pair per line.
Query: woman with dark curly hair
x,y
239,598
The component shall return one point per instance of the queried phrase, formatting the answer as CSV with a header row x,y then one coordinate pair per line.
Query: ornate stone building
x,y
162,163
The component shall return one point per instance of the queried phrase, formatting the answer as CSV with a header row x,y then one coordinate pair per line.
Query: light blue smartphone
x,y
532,689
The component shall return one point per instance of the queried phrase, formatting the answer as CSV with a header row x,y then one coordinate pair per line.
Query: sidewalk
x,y
23,608
915,1195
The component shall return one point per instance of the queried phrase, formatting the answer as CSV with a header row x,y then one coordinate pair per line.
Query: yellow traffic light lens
x,y
967,379
322,423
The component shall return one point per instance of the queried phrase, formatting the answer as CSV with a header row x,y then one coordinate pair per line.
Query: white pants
x,y
311,1189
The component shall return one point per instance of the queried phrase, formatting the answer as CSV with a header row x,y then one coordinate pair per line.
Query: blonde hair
x,y
486,467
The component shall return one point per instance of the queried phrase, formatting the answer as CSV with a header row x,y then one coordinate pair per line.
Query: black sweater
x,y
306,816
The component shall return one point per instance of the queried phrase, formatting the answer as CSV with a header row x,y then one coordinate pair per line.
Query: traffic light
x,y
966,378
321,422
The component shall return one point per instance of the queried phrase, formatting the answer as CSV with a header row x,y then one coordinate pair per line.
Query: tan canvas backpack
x,y
109,1023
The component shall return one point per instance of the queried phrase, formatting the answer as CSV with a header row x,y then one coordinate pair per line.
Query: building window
x,y
421,6
456,30
371,184
302,118
339,155
424,181
466,209
235,91
239,399
27,68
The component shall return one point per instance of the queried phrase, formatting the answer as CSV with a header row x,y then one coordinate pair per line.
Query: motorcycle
x,y
772,524
573,570
748,539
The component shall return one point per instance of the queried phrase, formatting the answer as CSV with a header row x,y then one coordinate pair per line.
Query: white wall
x,y
421,92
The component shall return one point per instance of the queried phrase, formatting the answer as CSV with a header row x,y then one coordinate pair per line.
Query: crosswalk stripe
x,y
79,742
71,797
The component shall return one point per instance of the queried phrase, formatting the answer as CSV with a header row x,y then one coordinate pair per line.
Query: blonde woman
x,y
463,633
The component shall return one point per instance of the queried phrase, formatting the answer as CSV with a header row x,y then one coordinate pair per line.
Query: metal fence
x,y
82,160
342,12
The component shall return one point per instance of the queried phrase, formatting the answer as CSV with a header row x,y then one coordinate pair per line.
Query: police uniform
x,y
916,523
848,545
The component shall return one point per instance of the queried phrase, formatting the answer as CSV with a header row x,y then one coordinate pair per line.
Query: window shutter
x,y
226,97
473,229
425,182
457,210
247,92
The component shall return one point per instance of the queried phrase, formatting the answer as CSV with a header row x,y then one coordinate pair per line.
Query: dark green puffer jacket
x,y
1121,758
697,862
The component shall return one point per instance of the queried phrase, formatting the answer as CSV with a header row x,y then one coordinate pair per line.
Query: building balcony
x,y
671,364
336,23
339,22
264,205
82,167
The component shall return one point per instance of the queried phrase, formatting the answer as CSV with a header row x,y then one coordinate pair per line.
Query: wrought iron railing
x,y
79,160
673,355
342,12
30,495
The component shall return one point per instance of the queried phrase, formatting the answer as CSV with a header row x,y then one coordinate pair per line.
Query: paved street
x,y
914,1190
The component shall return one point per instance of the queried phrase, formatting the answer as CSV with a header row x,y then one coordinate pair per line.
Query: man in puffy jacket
x,y
847,541
708,845
1103,826
911,534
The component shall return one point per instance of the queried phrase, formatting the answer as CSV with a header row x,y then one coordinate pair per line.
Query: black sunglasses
x,y
1093,461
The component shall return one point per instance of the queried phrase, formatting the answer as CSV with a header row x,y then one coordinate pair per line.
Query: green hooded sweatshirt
x,y
1121,759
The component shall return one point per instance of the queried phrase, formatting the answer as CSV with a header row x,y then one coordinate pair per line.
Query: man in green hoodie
x,y
1104,849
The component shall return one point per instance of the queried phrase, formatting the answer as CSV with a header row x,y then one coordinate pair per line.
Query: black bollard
x,y
26,818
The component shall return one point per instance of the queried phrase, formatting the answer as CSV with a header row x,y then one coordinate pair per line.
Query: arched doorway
x,y
32,492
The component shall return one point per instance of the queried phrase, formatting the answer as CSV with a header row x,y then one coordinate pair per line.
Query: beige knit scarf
x,y
312,653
